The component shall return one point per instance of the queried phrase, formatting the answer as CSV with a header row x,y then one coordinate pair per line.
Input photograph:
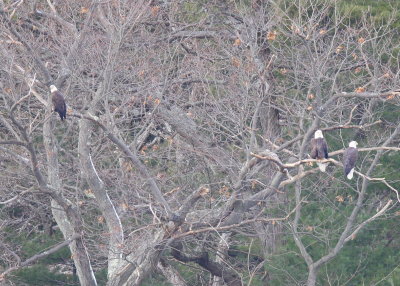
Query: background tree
x,y
184,156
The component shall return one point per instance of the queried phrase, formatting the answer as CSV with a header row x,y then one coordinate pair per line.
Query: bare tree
x,y
187,132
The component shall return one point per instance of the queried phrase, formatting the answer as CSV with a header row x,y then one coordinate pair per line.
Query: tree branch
x,y
231,226
134,159
16,197
378,214
39,256
202,259
38,61
275,159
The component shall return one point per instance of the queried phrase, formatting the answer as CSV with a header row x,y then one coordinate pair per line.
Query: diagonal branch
x,y
230,277
350,222
16,197
134,159
393,189
378,214
231,226
39,256
38,61
55,16
271,156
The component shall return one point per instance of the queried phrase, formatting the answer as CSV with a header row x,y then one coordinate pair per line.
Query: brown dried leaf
x,y
236,62
272,35
340,199
295,29
204,191
224,189
143,150
360,89
84,10
237,42
88,192
124,206
309,228
155,10
174,190
127,166
339,49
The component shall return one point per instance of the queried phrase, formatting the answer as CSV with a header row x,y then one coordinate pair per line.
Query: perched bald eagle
x,y
319,149
350,159
58,101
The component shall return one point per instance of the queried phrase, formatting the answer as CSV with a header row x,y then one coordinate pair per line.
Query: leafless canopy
x,y
187,134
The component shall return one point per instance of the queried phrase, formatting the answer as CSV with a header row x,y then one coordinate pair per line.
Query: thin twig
x,y
15,197
393,189
227,227
378,214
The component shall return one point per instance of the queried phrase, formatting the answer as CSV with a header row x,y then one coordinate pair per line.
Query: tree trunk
x,y
222,251
116,241
312,276
69,223
171,274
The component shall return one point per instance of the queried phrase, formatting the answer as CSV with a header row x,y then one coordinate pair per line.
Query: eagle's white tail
x,y
322,166
350,174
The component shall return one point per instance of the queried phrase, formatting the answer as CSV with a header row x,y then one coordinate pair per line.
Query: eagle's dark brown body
x,y
59,103
319,149
349,159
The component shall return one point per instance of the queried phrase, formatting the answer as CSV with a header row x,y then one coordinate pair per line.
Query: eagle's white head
x,y
353,144
318,134
53,88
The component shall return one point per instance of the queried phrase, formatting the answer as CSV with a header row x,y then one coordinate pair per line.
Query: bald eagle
x,y
58,101
319,149
350,159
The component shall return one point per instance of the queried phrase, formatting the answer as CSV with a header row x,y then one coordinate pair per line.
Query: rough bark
x,y
69,225
171,274
115,230
217,269
221,254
